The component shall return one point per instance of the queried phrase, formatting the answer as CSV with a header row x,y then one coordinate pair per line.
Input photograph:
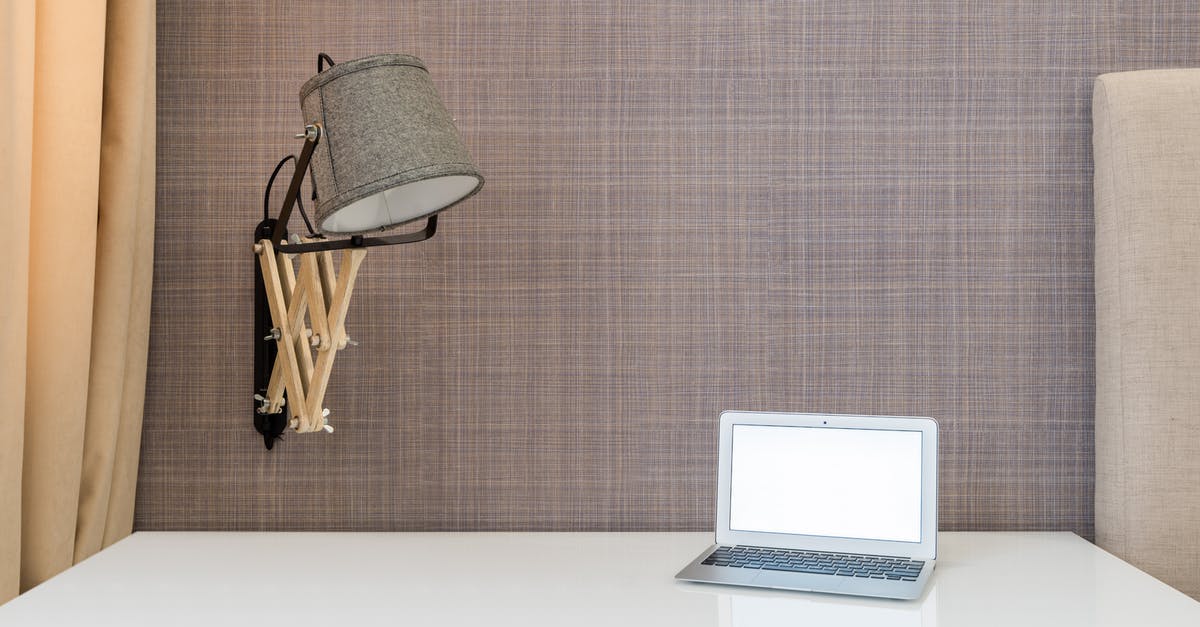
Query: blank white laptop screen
x,y
846,483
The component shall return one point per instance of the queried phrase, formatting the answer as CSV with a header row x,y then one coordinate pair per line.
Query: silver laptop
x,y
824,503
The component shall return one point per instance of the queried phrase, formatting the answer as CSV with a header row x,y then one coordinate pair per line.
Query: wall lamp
x,y
381,151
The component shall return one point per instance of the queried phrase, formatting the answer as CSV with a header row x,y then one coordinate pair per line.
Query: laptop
x,y
824,503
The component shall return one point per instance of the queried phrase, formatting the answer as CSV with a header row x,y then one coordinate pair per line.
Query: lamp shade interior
x,y
400,204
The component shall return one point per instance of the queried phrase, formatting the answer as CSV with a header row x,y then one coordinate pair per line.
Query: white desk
x,y
566,579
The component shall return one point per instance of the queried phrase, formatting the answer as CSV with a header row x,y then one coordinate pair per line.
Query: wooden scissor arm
x,y
309,312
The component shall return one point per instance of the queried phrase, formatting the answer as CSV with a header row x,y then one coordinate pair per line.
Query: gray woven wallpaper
x,y
859,207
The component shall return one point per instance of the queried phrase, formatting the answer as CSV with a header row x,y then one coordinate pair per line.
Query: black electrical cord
x,y
270,183
299,203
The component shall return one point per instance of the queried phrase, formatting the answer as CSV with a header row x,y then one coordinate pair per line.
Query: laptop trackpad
x,y
800,581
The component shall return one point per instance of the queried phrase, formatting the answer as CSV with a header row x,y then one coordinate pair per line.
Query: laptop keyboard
x,y
844,564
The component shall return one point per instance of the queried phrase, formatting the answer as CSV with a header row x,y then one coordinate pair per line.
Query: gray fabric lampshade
x,y
389,152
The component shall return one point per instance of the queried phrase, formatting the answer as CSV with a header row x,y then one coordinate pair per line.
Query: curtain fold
x,y
16,158
124,240
76,313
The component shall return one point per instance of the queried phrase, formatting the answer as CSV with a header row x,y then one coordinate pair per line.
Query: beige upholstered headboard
x,y
1147,184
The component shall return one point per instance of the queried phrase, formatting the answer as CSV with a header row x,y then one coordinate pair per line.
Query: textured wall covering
x,y
875,207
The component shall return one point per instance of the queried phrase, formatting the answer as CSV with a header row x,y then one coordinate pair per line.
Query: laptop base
x,y
803,582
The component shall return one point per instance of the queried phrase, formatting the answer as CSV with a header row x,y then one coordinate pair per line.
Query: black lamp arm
x,y
312,136
362,241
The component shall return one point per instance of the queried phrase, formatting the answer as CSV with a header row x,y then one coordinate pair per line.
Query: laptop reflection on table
x,y
766,608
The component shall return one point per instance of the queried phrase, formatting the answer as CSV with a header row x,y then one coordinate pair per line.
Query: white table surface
x,y
566,579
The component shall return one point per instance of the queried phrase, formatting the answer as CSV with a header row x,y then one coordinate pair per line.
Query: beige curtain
x,y
77,222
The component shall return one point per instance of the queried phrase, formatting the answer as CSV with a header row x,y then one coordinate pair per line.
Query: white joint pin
x,y
325,418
